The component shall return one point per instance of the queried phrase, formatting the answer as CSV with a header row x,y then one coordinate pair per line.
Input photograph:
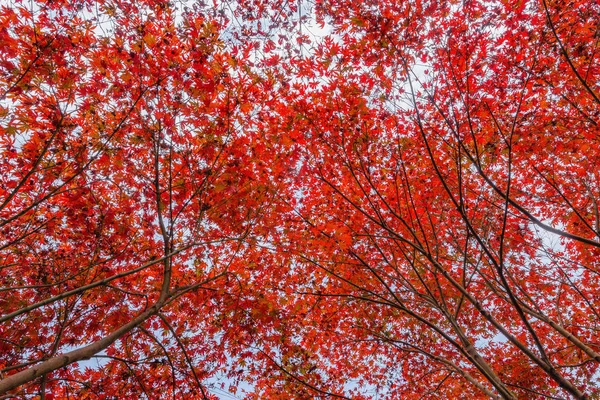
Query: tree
x,y
404,207
128,187
448,226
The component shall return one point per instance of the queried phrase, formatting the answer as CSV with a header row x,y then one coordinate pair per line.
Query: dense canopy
x,y
296,200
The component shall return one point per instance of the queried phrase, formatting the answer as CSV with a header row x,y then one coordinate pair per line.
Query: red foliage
x,y
197,196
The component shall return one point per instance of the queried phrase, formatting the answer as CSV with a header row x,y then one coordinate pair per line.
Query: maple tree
x,y
127,189
448,226
402,206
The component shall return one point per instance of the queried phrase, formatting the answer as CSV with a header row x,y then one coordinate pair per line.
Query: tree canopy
x,y
330,199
